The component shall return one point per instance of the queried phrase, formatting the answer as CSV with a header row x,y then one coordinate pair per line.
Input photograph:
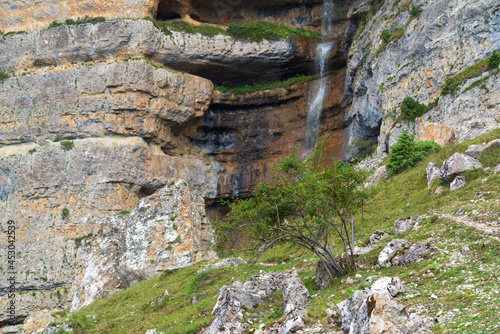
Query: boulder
x,y
399,252
497,169
404,224
457,183
374,310
385,256
228,310
432,173
457,164
376,237
475,151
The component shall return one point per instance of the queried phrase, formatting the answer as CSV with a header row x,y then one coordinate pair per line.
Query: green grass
x,y
386,36
67,145
490,157
84,20
272,85
452,83
254,32
140,307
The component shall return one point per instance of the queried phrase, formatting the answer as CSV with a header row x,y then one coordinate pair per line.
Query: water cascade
x,y
317,88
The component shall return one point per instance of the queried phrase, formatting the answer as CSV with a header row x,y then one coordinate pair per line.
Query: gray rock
x,y
497,169
457,183
404,224
399,253
321,276
228,309
10,330
376,237
460,212
432,173
457,164
475,151
374,310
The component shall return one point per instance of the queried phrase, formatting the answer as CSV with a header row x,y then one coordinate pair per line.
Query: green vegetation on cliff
x,y
272,85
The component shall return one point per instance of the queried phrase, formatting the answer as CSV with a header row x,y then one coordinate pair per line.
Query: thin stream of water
x,y
317,89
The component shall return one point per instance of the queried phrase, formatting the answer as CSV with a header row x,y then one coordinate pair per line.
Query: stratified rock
x,y
233,297
376,237
399,252
164,231
455,165
404,224
432,173
457,183
439,133
374,310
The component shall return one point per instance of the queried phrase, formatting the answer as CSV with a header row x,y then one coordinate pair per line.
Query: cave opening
x,y
165,12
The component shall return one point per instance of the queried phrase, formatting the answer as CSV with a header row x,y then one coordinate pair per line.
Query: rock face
x,y
374,310
438,133
164,231
417,64
232,298
220,58
457,164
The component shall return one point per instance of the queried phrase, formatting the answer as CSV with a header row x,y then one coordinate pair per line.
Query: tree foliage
x,y
406,153
305,205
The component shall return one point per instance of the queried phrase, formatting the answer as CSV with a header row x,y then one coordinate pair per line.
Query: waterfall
x,y
317,89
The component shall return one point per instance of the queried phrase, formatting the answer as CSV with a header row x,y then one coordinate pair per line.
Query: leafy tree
x,y
304,204
406,153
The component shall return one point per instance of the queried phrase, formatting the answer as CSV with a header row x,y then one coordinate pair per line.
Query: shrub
x,y
411,109
494,60
406,153
206,30
360,148
67,145
55,24
3,76
385,35
65,213
415,11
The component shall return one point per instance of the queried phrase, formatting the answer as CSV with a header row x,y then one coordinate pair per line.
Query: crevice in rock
x,y
18,320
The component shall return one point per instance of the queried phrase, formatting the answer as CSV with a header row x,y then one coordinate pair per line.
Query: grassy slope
x,y
465,311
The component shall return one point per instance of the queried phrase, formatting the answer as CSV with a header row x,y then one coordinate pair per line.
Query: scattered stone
x,y
349,280
228,310
474,213
10,330
457,183
356,251
455,165
194,300
497,169
439,191
234,261
460,212
358,276
376,237
487,243
465,287
465,249
374,310
390,249
433,296
432,173
404,224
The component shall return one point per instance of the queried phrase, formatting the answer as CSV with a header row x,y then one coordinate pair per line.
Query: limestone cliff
x,y
439,39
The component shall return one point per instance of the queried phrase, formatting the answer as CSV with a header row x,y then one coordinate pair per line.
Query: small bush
x,y
124,212
3,76
67,145
258,31
65,213
55,24
411,109
494,60
385,36
206,30
415,11
360,148
406,153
